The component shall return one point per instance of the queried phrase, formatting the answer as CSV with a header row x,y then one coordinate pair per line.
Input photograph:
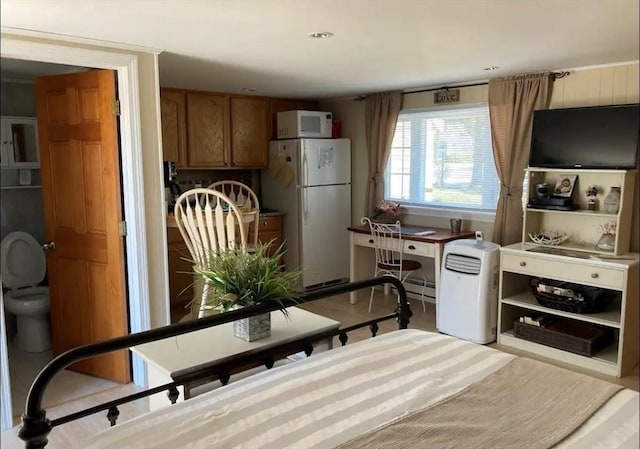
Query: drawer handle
x,y
371,241
266,223
411,247
594,275
523,264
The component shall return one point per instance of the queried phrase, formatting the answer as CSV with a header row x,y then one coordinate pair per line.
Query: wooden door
x,y
173,111
208,130
249,132
78,139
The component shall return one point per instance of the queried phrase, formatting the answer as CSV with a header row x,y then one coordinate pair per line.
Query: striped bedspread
x,y
333,397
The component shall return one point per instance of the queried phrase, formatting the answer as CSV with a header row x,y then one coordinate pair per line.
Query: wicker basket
x,y
568,335
570,297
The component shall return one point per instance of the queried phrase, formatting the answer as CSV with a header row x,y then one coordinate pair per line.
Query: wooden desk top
x,y
440,235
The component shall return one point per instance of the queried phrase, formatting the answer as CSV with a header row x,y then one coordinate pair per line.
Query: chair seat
x,y
407,265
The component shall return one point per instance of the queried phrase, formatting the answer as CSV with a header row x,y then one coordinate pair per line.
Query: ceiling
x,y
378,45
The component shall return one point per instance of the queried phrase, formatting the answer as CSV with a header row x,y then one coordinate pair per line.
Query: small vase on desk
x,y
612,201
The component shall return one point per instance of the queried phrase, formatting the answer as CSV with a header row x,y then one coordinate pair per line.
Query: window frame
x,y
443,211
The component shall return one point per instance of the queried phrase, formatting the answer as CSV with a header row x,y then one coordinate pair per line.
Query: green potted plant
x,y
236,278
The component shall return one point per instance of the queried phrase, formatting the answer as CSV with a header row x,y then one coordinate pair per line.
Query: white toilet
x,y
24,265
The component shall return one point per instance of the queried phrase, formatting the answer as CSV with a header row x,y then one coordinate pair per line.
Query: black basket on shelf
x,y
570,297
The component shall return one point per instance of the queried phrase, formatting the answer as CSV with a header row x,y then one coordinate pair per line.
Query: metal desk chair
x,y
389,249
208,221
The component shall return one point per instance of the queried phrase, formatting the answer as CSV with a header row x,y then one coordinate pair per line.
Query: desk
x,y
431,246
171,355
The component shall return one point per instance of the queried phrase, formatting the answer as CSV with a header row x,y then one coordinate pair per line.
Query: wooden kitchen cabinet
x,y
173,113
207,130
286,104
270,229
180,274
249,132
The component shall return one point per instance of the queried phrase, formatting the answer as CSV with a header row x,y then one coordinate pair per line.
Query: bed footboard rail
x,y
36,426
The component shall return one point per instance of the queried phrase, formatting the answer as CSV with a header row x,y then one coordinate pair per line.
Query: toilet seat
x,y
27,301
22,260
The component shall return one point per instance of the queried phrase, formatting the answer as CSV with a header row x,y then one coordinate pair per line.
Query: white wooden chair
x,y
209,222
246,200
390,260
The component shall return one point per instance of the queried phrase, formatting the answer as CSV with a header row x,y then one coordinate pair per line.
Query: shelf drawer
x,y
419,248
273,223
363,240
583,274
411,247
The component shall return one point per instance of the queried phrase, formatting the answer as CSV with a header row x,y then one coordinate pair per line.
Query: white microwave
x,y
304,124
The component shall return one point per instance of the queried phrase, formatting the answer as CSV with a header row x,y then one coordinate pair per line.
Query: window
x,y
443,159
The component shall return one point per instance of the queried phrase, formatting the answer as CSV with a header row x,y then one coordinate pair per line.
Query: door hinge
x,y
116,108
122,228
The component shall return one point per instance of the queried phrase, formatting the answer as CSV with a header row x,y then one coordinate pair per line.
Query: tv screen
x,y
592,137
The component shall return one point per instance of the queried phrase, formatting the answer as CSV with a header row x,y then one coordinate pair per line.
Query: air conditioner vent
x,y
462,264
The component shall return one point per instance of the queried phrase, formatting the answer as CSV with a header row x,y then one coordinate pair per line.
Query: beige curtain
x,y
511,104
381,115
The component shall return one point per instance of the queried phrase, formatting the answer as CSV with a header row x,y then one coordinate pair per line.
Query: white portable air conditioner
x,y
467,305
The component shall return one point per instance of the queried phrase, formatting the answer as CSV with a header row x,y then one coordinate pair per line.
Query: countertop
x,y
171,219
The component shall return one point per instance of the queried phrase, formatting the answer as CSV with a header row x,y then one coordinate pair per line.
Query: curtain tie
x,y
506,191
376,178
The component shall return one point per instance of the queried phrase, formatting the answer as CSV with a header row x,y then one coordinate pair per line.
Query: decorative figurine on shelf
x,y
592,193
607,240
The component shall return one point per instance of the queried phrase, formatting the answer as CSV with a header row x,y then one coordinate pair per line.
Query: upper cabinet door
x,y
208,130
173,109
20,142
249,132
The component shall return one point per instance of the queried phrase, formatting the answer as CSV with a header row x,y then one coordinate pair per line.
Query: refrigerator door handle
x,y
305,169
305,205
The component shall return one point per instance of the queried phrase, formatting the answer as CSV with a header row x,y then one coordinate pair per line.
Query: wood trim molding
x,y
126,65
24,33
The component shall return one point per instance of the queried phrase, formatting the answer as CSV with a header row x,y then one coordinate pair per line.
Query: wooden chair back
x,y
209,221
246,201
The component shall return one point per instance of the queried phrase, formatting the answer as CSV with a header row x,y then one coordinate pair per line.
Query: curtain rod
x,y
432,89
554,75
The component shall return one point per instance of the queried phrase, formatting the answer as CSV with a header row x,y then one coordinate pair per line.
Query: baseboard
x,y
414,290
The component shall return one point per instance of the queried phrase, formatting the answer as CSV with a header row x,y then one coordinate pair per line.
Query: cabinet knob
x,y
371,241
265,223
412,247
523,264
594,275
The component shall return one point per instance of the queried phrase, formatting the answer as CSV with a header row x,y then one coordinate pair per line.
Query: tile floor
x,y
67,386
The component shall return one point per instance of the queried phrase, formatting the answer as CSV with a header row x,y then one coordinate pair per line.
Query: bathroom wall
x,y
20,209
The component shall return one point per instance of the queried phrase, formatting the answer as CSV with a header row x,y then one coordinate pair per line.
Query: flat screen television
x,y
603,137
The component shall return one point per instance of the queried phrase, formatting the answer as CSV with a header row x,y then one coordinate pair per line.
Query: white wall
x,y
583,87
20,209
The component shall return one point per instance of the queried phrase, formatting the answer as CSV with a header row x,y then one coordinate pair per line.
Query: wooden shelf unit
x,y
582,224
518,266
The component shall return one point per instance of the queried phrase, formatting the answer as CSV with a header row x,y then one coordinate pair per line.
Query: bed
x,y
408,388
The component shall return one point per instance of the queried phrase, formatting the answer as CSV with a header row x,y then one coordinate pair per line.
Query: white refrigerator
x,y
309,180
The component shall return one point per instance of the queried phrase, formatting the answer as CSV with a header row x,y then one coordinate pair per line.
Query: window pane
x,y
443,158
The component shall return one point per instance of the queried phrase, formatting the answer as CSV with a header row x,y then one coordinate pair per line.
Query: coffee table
x,y
167,357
